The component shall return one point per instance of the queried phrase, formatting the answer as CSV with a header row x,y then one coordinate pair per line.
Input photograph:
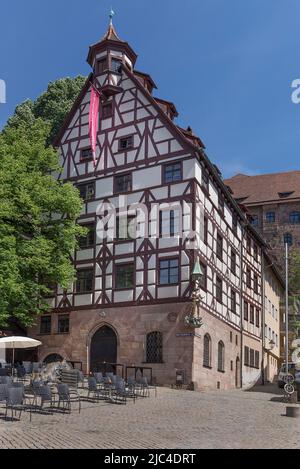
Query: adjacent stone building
x,y
132,303
273,201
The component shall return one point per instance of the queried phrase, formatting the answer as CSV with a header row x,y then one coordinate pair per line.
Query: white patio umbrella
x,y
18,342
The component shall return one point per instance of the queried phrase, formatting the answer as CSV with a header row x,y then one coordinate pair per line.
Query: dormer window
x,y
116,65
126,143
284,195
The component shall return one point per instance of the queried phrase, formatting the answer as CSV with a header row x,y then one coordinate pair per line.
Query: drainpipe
x,y
263,318
242,307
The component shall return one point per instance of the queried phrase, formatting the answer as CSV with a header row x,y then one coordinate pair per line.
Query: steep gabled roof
x,y
265,187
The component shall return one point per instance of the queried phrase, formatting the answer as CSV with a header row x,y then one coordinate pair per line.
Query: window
x,y
126,143
126,227
246,311
270,217
221,203
221,356
87,191
248,277
255,220
247,361
252,359
233,262
236,340
124,276
169,223
219,247
84,283
86,154
203,278
102,65
256,360
88,240
116,65
219,290
205,240
255,252
205,180
169,271
63,324
172,173
248,244
234,224
123,183
255,283
257,318
288,239
207,351
45,326
251,314
154,347
295,217
266,331
106,110
233,301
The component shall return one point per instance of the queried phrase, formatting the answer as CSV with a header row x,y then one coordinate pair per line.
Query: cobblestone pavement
x,y
175,419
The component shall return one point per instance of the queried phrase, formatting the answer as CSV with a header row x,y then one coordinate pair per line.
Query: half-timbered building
x,y
170,208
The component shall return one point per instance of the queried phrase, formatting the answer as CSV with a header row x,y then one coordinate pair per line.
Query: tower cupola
x,y
107,57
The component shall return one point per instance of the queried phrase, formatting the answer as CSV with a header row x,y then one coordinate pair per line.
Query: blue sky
x,y
228,65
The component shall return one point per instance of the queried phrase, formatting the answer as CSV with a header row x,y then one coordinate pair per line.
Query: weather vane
x,y
111,15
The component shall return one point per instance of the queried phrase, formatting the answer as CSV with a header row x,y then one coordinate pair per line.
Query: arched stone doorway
x,y
103,349
238,373
53,358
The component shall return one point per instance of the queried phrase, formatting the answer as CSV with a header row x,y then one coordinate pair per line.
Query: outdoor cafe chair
x,y
145,387
67,397
142,387
44,394
94,389
5,380
121,393
16,402
3,393
99,377
28,367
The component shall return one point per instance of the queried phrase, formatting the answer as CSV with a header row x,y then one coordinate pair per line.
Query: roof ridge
x,y
263,175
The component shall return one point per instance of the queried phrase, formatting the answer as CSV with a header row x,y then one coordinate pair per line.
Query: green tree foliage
x,y
38,213
52,106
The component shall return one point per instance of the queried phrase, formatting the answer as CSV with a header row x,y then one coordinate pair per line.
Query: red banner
x,y
94,120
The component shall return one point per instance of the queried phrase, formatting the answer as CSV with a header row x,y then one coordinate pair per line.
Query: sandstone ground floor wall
x,y
182,345
131,326
210,377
